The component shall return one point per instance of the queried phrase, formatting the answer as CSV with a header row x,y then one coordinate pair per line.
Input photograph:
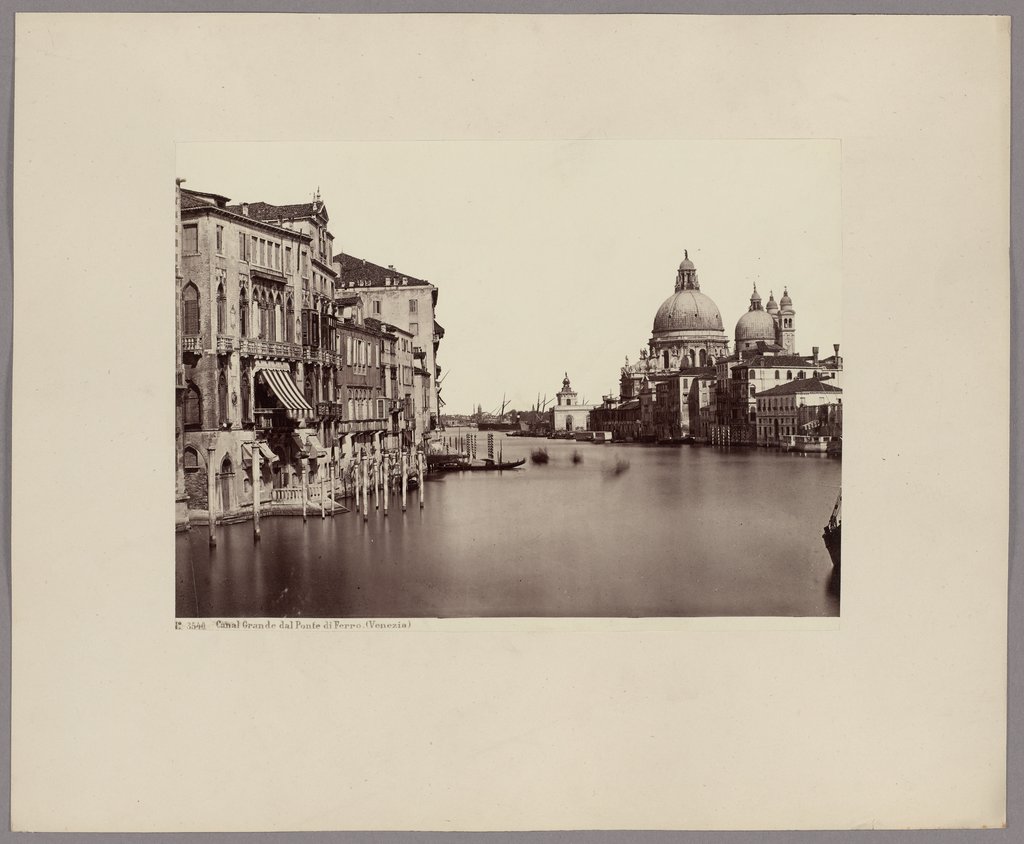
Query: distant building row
x,y
289,349
686,383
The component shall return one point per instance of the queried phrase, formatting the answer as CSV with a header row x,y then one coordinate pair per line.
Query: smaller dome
x,y
755,296
772,307
686,263
754,325
785,301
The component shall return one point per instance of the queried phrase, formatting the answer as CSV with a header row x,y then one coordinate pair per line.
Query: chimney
x,y
814,351
245,209
836,347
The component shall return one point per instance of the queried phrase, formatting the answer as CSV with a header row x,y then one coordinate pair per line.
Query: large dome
x,y
755,325
688,310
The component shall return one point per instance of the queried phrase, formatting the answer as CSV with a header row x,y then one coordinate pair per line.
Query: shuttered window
x,y
190,309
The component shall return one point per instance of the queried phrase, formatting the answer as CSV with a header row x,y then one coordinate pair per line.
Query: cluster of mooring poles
x,y
380,474
376,473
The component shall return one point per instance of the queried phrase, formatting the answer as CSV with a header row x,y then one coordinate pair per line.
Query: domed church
x,y
768,329
688,327
688,336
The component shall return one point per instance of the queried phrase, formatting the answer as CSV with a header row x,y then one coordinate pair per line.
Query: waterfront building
x,y
800,407
241,361
679,400
741,378
398,383
407,303
620,418
568,414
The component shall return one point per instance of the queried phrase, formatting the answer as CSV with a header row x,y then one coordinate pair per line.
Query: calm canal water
x,y
685,531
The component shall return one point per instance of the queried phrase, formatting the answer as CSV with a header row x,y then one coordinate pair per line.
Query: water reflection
x,y
686,531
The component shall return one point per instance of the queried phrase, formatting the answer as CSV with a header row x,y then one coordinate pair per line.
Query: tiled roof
x,y
801,385
265,211
195,198
691,371
348,301
769,361
351,268
189,201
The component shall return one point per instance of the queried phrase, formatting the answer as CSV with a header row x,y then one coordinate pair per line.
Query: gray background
x,y
1015,759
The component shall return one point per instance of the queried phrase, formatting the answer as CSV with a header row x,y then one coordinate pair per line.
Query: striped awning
x,y
278,377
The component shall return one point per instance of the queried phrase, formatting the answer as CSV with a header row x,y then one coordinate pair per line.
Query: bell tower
x,y
787,323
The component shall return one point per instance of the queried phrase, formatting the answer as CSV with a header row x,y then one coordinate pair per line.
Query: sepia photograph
x,y
508,379
510,355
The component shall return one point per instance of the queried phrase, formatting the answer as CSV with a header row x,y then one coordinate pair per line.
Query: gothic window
x,y
289,320
246,396
190,309
275,318
193,405
222,310
190,460
222,398
243,313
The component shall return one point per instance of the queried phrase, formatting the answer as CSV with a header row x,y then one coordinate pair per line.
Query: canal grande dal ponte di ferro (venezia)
x,y
314,368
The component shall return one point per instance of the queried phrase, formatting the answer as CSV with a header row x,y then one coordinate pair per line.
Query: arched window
x,y
752,391
193,405
308,386
289,321
703,357
190,460
246,396
243,313
275,324
776,375
800,374
190,309
691,357
665,358
789,375
222,398
222,310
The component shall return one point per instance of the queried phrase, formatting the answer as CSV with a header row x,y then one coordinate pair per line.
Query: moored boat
x,y
832,534
488,465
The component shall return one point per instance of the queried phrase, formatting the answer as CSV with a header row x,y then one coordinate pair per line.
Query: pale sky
x,y
553,256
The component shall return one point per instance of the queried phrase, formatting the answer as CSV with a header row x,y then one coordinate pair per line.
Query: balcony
x,y
225,344
269,349
269,418
330,410
192,343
